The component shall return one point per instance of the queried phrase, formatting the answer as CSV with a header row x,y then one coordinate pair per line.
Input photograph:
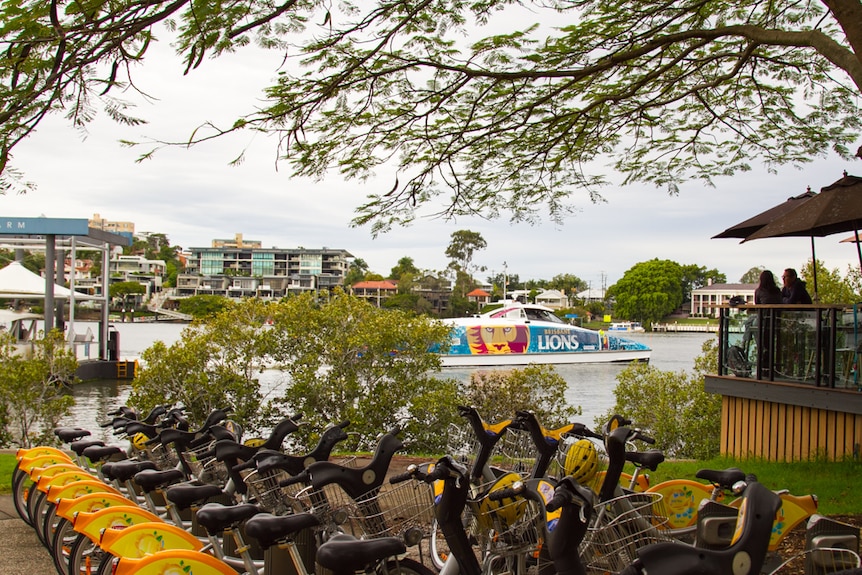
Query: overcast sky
x,y
194,196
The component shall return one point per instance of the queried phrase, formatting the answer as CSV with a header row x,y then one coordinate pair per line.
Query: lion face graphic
x,y
498,339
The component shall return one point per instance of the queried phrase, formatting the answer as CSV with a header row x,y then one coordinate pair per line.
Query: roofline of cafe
x,y
71,233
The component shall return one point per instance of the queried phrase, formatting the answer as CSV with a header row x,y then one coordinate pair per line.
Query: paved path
x,y
21,552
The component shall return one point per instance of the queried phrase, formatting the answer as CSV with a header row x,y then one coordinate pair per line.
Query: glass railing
x,y
816,345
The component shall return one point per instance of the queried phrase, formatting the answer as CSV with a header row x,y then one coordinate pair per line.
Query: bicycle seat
x,y
125,470
70,434
216,517
185,495
96,453
724,478
79,446
344,553
151,479
649,459
269,529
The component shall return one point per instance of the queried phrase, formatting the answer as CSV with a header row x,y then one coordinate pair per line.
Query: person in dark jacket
x,y
767,291
794,290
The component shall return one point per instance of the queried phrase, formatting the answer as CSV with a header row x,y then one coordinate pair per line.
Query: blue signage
x,y
44,226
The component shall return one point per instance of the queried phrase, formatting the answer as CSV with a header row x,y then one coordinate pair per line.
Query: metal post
x,y
103,324
49,282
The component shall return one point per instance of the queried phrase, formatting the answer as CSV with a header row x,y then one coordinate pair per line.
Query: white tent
x,y
18,282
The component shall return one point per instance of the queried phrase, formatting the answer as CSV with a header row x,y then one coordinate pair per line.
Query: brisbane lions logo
x,y
494,339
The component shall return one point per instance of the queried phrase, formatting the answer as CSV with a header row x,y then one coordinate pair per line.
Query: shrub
x,y
32,389
673,407
497,394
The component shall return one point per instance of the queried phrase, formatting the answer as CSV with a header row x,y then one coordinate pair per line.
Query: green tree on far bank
x,y
204,305
648,291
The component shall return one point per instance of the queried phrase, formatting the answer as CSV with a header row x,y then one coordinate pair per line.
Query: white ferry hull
x,y
616,356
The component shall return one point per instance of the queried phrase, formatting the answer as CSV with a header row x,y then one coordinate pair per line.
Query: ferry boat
x,y
520,334
629,326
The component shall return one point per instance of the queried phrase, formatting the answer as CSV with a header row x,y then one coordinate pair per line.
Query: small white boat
x,y
520,334
628,326
23,326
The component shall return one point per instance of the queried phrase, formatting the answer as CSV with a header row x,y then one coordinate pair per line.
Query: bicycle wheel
x,y
404,567
61,545
84,556
48,523
35,506
21,487
107,566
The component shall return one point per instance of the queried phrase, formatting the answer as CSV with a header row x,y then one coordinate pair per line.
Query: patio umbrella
x,y
744,229
837,208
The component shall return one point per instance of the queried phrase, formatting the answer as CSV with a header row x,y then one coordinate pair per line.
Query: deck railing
x,y
817,345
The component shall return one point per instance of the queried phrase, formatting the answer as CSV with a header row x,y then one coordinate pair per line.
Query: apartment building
x,y
239,268
125,229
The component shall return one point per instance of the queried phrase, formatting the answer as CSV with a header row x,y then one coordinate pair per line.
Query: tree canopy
x,y
649,290
510,122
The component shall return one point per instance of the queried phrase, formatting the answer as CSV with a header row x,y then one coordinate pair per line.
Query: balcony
x,y
814,345
789,381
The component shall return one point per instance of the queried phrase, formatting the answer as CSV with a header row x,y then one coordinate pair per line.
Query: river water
x,y
590,386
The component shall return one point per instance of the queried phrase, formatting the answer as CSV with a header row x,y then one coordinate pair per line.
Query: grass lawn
x,y
7,463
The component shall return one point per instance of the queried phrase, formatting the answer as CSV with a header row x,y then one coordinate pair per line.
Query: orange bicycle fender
x,y
90,503
28,464
31,452
37,473
174,562
79,488
91,524
148,538
66,477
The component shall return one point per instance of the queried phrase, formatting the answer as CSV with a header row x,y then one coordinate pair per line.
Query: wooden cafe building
x,y
790,383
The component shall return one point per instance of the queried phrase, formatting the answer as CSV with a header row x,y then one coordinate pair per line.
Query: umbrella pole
x,y
858,249
814,269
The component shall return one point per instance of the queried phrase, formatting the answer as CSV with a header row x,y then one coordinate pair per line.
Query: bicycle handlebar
x,y
641,436
293,480
582,430
516,490
413,472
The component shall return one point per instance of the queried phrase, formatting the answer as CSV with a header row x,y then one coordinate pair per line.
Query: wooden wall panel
x,y
779,432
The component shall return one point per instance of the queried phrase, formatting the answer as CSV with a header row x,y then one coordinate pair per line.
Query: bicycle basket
x,y
508,526
461,444
207,469
515,452
819,561
331,505
265,491
403,510
619,528
163,457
